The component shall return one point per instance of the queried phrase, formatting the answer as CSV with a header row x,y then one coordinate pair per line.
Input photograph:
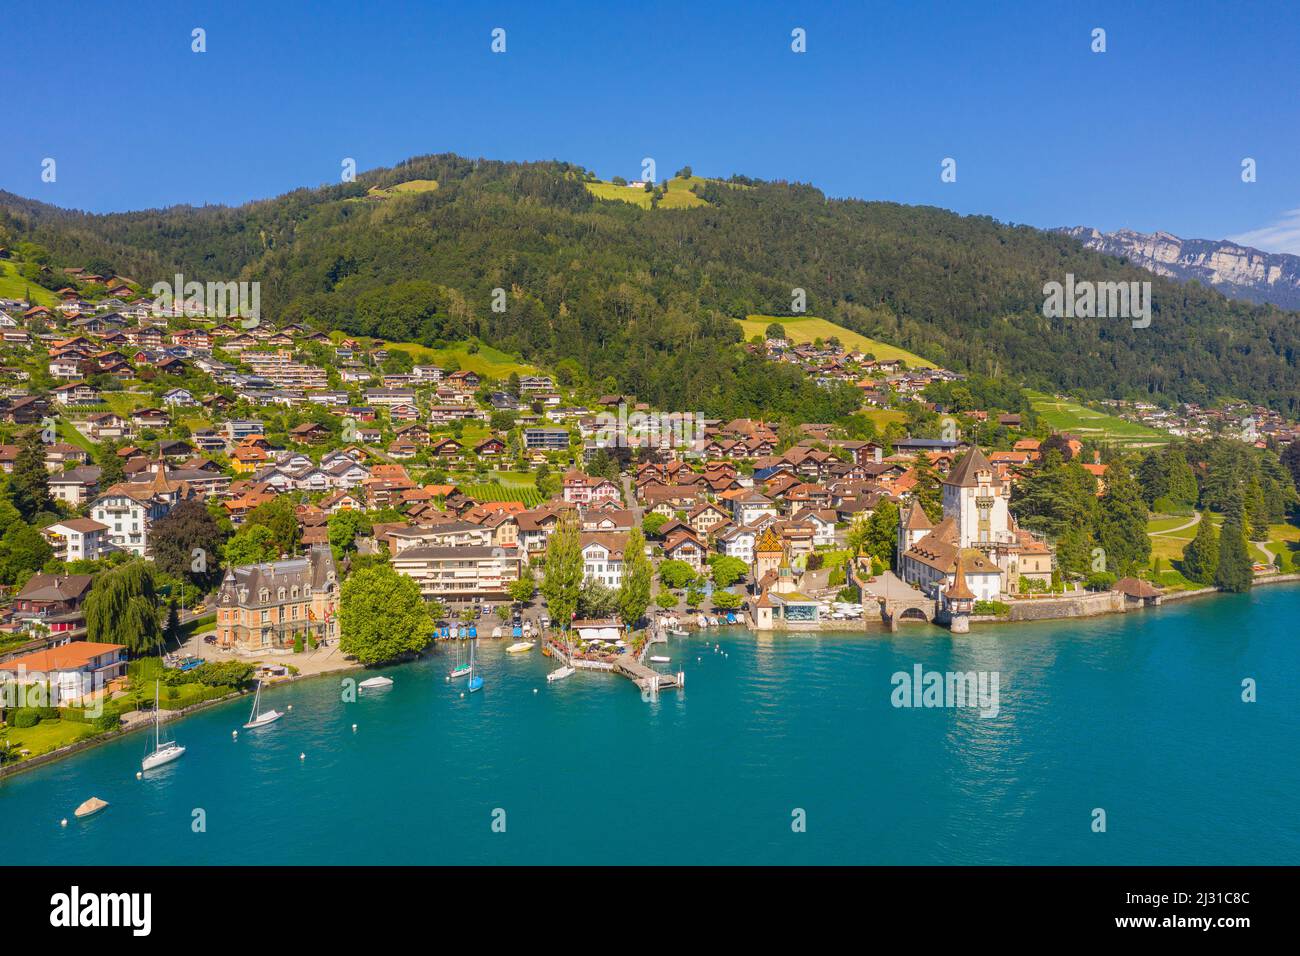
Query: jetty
x,y
646,678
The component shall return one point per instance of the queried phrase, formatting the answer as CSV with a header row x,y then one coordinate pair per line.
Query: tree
x,y
343,528
29,485
562,577
726,600
252,544
1153,476
1201,556
122,608
172,630
882,532
1122,522
521,589
638,576
281,516
111,469
727,570
382,616
23,551
596,600
666,600
1235,572
177,536
676,574
652,522
1182,488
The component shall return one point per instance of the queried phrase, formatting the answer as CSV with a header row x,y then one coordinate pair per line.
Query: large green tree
x,y
29,485
1201,556
1122,522
122,608
187,543
562,576
1234,572
638,576
382,616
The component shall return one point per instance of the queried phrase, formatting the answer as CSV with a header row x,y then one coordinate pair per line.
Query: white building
x,y
78,539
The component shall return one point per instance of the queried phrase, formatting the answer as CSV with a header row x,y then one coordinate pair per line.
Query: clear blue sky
x,y
1148,135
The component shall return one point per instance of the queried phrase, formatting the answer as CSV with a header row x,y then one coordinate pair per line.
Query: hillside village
x,y
457,473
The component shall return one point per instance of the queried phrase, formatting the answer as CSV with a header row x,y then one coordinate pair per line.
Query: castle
x,y
977,534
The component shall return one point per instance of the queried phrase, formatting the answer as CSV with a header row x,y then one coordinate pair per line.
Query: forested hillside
x,y
645,298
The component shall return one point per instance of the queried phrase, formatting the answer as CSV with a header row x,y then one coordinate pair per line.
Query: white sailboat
x,y
255,719
163,751
560,673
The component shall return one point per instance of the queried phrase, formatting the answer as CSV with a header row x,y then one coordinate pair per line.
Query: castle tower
x,y
959,599
768,553
977,501
913,525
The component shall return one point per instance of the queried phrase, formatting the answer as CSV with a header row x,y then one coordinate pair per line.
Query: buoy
x,y
139,775
354,728
462,693
234,734
534,690
302,756
291,706
63,822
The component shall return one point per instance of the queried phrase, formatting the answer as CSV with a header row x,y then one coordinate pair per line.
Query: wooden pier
x,y
644,677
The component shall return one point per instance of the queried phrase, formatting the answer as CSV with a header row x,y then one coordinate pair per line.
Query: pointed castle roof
x,y
963,473
916,520
768,542
958,590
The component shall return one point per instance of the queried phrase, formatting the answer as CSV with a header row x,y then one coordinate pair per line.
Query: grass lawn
x,y
1067,416
487,361
73,437
679,195
1282,538
881,417
409,187
14,286
47,735
806,328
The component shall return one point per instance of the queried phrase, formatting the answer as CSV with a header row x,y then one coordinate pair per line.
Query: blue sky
x,y
1147,135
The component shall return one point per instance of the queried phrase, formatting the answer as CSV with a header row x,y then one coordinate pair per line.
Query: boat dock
x,y
646,678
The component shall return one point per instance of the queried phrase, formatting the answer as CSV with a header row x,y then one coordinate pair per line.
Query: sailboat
x,y
565,670
163,752
475,680
255,719
461,669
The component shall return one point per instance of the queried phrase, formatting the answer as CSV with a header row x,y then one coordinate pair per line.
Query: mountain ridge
x,y
1234,269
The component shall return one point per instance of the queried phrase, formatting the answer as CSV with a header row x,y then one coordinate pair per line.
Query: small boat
x,y
475,680
677,632
376,683
255,719
163,751
713,622
661,660
560,673
90,808
520,647
496,632
731,618
460,670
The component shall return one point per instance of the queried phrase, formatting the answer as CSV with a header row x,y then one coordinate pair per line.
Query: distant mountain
x,y
1237,271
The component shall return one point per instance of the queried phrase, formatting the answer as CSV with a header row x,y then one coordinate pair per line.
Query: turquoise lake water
x,y
1140,715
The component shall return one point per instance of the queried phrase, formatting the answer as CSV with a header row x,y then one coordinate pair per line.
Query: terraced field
x,y
1067,416
679,195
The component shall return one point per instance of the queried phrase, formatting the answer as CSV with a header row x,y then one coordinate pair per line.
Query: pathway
x,y
1181,527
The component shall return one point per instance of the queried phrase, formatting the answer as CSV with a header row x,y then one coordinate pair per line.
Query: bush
x,y
24,718
1101,581
996,608
1167,506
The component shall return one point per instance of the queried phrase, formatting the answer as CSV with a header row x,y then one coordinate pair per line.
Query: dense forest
x,y
643,298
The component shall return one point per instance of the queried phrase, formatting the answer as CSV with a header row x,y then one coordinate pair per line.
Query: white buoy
x,y
534,690
63,822
139,775
291,706
354,728
302,756
234,734
462,693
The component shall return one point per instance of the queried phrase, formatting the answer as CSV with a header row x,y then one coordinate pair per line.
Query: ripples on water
x,y
1139,715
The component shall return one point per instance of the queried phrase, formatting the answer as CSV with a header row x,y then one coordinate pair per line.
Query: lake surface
x,y
1140,715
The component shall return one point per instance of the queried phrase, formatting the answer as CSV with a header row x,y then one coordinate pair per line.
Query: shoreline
x,y
87,743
